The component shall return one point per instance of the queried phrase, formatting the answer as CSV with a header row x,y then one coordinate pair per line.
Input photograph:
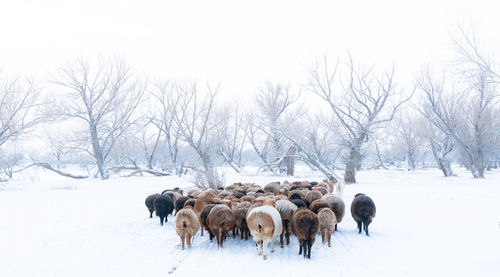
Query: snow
x,y
426,225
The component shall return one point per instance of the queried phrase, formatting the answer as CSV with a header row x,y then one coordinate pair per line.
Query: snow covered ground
x,y
426,225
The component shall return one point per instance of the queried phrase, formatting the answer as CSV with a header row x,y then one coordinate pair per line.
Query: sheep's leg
x,y
335,226
300,247
264,249
259,247
281,239
309,248
288,232
323,237
166,218
182,241
201,231
161,220
188,239
359,227
329,239
366,229
150,214
272,245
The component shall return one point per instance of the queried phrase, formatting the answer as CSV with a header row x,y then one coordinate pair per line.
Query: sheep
x,y
201,202
179,203
299,203
306,226
363,211
204,219
240,218
317,205
327,222
186,225
174,194
313,195
286,209
150,203
272,187
190,203
220,222
337,205
321,189
164,205
264,223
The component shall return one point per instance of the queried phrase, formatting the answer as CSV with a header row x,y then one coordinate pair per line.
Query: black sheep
x,y
179,203
150,203
363,211
299,203
164,205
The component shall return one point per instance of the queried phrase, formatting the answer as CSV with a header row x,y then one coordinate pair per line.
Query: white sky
x,y
238,43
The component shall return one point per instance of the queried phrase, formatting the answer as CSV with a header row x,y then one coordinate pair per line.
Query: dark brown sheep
x,y
363,211
306,226
190,202
150,203
179,203
317,205
204,219
164,205
220,222
299,203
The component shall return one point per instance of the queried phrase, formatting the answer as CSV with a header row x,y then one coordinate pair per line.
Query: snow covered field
x,y
426,225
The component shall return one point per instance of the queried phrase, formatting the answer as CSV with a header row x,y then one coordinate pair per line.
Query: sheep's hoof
x,y
259,253
272,250
265,257
281,246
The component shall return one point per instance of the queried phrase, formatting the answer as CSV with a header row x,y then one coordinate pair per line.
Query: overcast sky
x,y
237,43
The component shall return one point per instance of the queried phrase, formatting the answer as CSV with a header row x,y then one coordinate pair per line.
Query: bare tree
x,y
231,135
274,113
104,97
169,116
408,135
20,107
361,104
199,123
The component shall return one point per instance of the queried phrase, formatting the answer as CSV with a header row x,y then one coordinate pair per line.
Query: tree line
x,y
105,118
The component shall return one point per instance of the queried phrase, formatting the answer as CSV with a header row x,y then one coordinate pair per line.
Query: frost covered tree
x,y
464,108
360,100
273,112
231,135
104,96
21,107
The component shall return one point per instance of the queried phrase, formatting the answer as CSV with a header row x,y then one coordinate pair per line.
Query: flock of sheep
x,y
278,209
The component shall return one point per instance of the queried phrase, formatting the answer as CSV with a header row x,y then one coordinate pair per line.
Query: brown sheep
x,y
248,198
363,211
313,195
272,187
150,203
202,202
321,189
317,205
337,205
220,222
286,209
327,222
240,214
306,226
179,203
186,225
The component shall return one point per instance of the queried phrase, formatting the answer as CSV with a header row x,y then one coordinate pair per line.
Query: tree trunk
x,y
290,166
99,158
351,165
411,160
